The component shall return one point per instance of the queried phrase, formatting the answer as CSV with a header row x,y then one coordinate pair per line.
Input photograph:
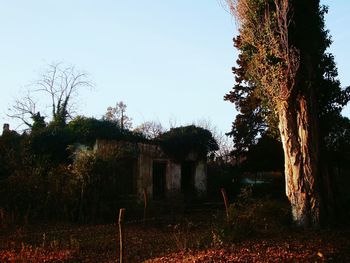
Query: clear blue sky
x,y
167,60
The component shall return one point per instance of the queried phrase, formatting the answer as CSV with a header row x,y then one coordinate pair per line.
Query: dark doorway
x,y
124,175
187,180
159,173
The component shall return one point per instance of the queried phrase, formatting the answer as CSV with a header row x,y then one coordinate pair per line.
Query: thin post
x,y
121,235
2,217
145,203
224,196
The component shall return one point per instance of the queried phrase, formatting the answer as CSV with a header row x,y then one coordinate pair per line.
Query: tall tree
x,y
282,82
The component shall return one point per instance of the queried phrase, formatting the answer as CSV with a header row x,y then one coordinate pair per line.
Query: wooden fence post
x,y
145,204
2,217
121,235
224,196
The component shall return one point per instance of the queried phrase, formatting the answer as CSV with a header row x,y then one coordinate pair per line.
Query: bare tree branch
x,y
62,86
23,109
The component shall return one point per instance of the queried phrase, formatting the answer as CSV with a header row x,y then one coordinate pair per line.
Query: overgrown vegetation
x,y
181,141
45,177
82,171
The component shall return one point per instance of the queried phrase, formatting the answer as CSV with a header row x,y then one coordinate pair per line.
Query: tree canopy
x,y
257,114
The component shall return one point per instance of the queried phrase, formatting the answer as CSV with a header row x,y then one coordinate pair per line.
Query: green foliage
x,y
317,73
87,130
266,155
89,190
42,179
180,142
255,116
38,122
337,142
51,143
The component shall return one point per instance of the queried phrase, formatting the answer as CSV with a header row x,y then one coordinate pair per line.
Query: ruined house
x,y
150,169
170,168
163,177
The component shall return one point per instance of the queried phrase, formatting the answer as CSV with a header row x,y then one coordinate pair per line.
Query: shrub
x,y
249,215
222,175
106,182
40,196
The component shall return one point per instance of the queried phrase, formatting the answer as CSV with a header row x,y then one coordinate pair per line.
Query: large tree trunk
x,y
298,130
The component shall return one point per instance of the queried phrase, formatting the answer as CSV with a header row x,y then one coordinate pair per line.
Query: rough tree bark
x,y
299,138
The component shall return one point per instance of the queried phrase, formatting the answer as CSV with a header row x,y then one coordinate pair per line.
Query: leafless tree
x,y
150,129
24,109
61,84
224,142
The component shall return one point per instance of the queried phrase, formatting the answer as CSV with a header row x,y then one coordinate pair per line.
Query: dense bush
x,y
11,152
87,130
181,141
249,216
106,177
52,143
37,196
264,216
90,189
39,179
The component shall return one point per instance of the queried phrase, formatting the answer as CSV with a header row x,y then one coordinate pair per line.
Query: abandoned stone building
x,y
150,169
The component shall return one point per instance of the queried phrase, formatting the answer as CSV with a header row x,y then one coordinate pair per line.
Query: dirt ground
x,y
164,242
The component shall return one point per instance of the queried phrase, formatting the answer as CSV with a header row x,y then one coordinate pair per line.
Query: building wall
x,y
148,154
173,178
200,179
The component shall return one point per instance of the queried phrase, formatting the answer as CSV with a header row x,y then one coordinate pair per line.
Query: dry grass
x,y
163,242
